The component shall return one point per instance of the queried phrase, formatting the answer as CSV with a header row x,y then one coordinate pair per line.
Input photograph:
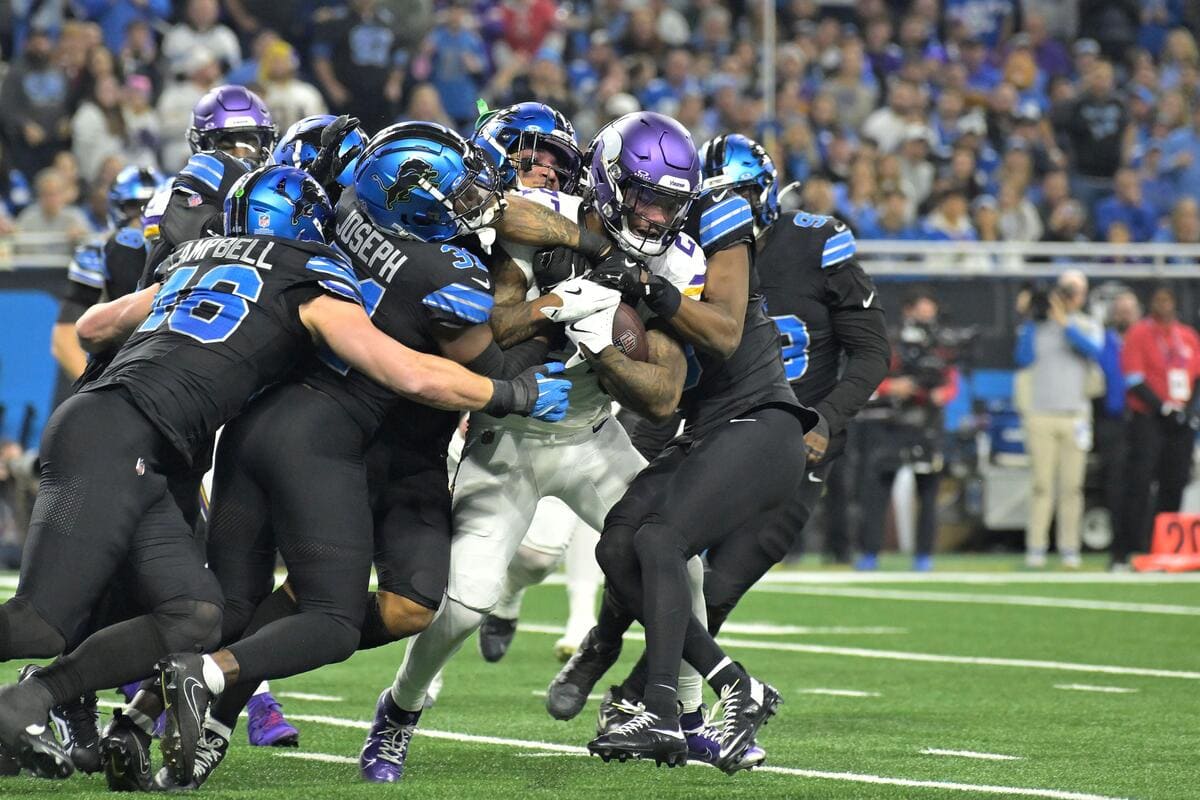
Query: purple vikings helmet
x,y
229,117
644,174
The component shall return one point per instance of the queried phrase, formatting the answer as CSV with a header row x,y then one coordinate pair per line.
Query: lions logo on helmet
x,y
412,173
284,201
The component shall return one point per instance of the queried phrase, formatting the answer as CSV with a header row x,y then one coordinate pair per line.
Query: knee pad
x,y
531,566
776,540
658,542
614,551
25,634
403,617
188,625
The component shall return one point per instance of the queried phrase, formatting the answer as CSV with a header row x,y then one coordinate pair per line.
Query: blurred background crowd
x,y
1013,120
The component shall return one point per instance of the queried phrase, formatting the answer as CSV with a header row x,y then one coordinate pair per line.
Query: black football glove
x,y
557,264
328,164
622,273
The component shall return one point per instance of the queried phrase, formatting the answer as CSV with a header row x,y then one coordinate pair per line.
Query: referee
x,y
1161,362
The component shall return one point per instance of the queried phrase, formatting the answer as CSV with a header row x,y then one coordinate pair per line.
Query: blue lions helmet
x,y
278,200
131,190
526,134
742,164
300,144
423,181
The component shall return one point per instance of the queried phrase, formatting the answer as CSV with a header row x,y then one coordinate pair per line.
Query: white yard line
x,y
999,577
542,693
851,777
767,629
899,655
986,599
1087,687
839,692
316,698
325,757
934,751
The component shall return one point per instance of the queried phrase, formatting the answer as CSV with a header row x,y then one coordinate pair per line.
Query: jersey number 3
x,y
210,310
794,334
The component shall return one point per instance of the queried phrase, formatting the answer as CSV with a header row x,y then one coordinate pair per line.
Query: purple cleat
x,y
267,726
703,739
386,748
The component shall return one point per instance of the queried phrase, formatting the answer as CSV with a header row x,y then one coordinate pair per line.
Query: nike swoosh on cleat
x,y
812,476
190,686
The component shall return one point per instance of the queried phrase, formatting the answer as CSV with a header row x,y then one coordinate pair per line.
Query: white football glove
x,y
594,330
580,298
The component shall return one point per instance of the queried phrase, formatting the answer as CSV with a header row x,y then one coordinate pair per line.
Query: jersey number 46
x,y
209,309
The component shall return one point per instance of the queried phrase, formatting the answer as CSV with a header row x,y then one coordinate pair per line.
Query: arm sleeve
x,y
505,364
862,334
1083,343
1025,353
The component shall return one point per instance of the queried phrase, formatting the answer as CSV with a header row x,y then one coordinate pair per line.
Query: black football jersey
x,y
224,326
409,288
808,272
103,269
190,206
719,219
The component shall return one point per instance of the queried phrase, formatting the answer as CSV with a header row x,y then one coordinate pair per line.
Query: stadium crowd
x,y
909,119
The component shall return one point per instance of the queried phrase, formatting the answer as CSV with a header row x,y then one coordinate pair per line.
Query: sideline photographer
x,y
1059,348
1161,362
903,424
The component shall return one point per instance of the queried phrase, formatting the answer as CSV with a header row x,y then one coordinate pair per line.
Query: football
x,y
629,334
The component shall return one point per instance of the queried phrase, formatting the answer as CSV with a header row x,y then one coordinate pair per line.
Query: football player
x,y
742,419
106,268
426,294
586,460
835,352
539,151
233,317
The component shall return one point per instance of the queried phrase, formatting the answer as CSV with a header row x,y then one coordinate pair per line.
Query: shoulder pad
x,y
684,265
833,236
336,276
89,266
131,238
725,218
204,171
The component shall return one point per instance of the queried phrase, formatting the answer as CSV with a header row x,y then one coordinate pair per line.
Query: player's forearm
x,y
708,326
529,223
107,325
863,335
66,350
649,389
430,380
516,323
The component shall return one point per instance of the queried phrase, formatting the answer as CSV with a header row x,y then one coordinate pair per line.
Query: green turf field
x,y
1098,699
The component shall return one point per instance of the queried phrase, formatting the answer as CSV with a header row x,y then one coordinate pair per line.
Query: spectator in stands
x,y
525,24
290,19
1112,23
916,166
141,122
1181,147
1051,55
37,118
853,87
1161,362
175,106
289,98
1019,220
886,126
358,62
1097,128
115,16
52,214
457,63
1059,347
424,103
949,220
664,94
140,54
987,21
1127,206
98,128
1108,410
201,29
1067,223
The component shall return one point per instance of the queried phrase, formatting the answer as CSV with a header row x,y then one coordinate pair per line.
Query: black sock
x,y
612,621
374,632
278,605
727,674
634,685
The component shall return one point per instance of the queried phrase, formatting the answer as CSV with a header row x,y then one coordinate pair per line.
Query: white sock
x,y
213,675
691,685
583,582
141,720
429,651
263,688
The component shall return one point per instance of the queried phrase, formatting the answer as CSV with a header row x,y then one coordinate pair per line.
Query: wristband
x,y
593,245
662,297
503,396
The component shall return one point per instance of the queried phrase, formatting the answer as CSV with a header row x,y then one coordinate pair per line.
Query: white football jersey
x,y
682,264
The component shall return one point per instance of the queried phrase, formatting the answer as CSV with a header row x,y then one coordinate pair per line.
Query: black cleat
x,y
125,755
185,701
9,765
644,736
495,636
745,707
76,723
616,708
569,690
210,752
